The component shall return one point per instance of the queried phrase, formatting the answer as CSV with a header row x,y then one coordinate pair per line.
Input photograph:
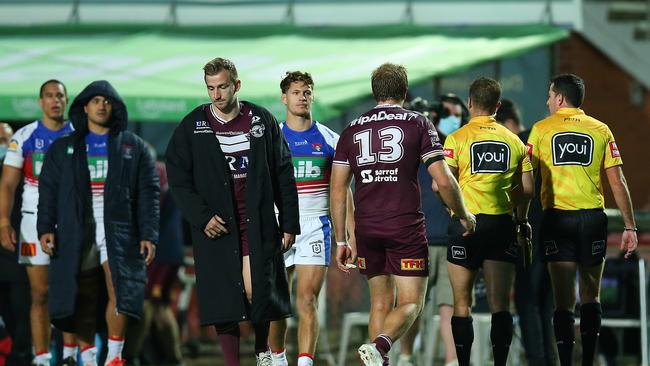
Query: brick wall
x,y
608,98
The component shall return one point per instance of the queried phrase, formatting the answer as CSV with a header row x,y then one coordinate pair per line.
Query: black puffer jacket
x,y
131,206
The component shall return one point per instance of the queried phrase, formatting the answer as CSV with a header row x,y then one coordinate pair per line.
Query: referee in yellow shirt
x,y
569,149
495,177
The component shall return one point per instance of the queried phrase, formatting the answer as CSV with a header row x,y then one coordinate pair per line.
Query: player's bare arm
x,y
339,186
623,200
449,191
10,179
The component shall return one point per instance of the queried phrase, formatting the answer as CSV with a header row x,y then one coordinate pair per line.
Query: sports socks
x,y
501,336
280,357
229,342
70,350
590,319
89,356
563,321
305,359
115,345
461,328
383,344
42,359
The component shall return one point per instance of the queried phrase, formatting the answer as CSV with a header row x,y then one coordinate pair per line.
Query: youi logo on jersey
x,y
572,148
490,157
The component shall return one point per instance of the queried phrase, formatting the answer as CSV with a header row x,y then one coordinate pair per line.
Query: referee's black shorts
x,y
578,236
493,239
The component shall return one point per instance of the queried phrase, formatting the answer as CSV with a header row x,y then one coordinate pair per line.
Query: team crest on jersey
x,y
361,262
490,157
572,148
613,149
39,143
408,264
257,129
128,151
317,147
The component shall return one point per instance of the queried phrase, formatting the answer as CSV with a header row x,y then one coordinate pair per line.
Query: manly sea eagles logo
x,y
490,157
572,148
257,128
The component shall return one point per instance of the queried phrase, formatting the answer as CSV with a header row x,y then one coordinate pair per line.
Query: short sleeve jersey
x,y
384,148
569,149
312,152
486,155
26,151
234,139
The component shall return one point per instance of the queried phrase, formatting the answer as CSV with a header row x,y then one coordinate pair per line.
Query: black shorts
x,y
494,239
578,236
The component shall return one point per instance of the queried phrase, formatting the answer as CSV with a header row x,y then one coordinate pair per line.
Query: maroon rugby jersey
x,y
234,139
384,148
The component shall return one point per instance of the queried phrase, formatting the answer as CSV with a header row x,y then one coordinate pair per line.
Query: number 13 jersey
x,y
384,148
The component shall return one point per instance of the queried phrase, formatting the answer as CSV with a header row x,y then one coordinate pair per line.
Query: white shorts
x,y
313,246
30,246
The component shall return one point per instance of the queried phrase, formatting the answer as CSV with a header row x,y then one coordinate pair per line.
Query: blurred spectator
x,y
156,339
509,116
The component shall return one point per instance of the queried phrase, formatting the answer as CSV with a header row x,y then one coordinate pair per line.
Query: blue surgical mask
x,y
448,125
3,151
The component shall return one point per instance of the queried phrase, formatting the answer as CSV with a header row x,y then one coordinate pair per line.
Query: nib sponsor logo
x,y
490,157
572,148
412,264
309,168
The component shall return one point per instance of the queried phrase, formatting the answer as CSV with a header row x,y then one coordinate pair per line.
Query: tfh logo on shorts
x,y
28,249
361,262
490,157
550,247
458,252
408,264
572,148
597,247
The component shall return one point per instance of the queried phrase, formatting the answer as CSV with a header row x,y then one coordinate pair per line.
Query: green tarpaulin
x,y
158,71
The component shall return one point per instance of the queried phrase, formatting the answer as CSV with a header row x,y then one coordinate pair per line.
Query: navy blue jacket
x,y
436,216
131,206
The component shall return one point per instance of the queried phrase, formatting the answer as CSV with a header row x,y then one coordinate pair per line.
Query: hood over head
x,y
119,115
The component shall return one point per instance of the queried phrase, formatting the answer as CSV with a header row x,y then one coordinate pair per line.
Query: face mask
x,y
3,151
448,125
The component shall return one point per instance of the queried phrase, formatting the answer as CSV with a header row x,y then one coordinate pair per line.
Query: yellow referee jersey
x,y
569,148
486,155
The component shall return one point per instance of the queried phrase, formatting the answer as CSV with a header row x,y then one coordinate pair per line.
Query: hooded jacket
x,y
199,183
131,207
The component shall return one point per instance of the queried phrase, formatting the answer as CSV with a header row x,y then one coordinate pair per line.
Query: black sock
x,y
461,328
261,337
564,335
501,336
590,317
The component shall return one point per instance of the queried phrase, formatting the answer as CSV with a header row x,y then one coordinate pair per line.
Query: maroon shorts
x,y
376,256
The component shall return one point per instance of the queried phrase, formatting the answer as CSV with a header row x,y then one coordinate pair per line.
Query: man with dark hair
x,y
382,149
24,161
91,216
495,175
508,115
569,149
312,147
228,166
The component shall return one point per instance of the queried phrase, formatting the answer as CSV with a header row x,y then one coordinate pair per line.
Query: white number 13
x,y
391,146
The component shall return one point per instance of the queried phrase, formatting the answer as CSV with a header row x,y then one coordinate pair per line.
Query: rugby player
x,y
383,149
312,147
24,161
569,149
